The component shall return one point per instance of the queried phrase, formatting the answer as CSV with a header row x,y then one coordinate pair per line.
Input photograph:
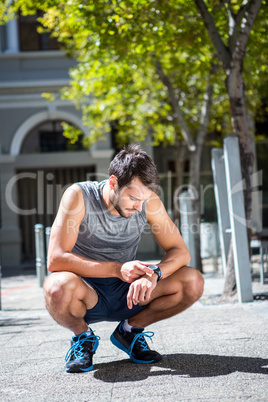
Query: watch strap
x,y
156,270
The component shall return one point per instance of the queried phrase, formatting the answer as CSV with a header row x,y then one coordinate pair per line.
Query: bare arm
x,y
167,236
64,233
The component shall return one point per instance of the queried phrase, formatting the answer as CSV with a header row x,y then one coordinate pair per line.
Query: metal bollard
x,y
186,218
40,261
47,231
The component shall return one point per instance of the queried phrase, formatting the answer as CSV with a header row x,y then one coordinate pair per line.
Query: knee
x,y
59,287
194,285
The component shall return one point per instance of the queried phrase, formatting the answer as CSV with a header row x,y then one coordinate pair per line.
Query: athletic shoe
x,y
81,352
135,345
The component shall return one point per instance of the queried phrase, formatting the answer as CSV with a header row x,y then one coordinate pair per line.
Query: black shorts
x,y
112,302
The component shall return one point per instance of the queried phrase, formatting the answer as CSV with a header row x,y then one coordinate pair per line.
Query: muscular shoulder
x,y
154,208
72,202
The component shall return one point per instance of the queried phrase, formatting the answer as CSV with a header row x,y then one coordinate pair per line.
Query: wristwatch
x,y
157,270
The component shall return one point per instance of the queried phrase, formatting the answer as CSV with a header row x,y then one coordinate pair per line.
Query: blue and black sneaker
x,y
79,356
135,345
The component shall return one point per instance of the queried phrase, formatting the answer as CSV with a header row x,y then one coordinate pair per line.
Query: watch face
x,y
157,270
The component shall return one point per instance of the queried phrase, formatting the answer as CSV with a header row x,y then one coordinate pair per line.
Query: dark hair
x,y
132,161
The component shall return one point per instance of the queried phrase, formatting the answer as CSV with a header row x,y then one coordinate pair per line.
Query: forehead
x,y
137,189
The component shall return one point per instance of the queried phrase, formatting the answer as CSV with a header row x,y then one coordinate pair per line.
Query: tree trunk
x,y
194,182
232,56
196,149
229,290
179,157
195,164
235,88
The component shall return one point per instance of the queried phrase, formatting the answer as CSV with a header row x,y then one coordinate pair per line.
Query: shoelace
x,y
77,348
141,339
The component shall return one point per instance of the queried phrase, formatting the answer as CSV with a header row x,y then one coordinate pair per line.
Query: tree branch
x,y
230,10
221,49
232,28
177,113
205,111
235,23
247,18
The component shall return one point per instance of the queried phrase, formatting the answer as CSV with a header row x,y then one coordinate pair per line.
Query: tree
x,y
167,105
229,26
137,59
147,63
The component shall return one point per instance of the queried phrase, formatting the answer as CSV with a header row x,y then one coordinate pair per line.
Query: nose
x,y
138,205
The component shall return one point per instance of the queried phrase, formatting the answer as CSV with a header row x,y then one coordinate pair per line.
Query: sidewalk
x,y
211,352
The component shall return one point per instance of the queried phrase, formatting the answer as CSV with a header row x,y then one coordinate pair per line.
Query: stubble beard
x,y
115,203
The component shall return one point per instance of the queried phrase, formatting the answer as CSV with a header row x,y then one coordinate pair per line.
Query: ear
x,y
113,182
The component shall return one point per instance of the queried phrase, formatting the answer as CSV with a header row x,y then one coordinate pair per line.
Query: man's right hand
x,y
132,270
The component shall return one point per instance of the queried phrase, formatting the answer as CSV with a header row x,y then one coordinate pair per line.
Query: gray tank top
x,y
104,236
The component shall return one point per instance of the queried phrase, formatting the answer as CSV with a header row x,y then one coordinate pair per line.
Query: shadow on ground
x,y
186,365
16,322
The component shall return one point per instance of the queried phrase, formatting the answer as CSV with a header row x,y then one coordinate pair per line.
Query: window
x,y
2,38
48,137
30,39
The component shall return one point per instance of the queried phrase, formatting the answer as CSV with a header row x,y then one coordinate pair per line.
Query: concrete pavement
x,y
212,352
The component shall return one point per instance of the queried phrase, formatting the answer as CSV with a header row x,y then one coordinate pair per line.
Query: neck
x,y
106,199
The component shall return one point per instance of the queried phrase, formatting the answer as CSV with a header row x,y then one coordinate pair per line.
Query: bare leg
x,y
171,296
68,298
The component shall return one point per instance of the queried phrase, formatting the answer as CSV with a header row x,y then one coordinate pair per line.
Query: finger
x,y
147,270
145,263
130,297
148,294
132,278
143,267
136,294
142,293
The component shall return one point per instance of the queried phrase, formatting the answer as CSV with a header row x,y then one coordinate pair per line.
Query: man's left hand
x,y
141,290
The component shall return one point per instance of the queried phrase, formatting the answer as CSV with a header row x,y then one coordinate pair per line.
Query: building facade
x,y
36,161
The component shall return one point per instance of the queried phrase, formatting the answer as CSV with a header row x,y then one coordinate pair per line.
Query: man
x,y
94,274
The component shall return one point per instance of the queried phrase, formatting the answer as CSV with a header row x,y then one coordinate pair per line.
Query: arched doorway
x,y
38,119
46,164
